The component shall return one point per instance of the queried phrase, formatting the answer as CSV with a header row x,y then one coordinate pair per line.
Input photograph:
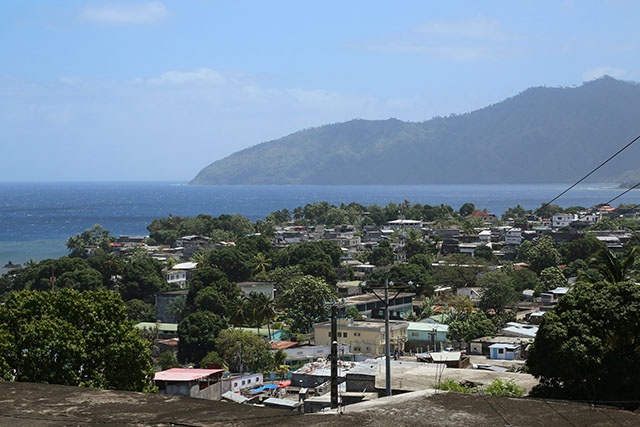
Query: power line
x,y
590,173
622,194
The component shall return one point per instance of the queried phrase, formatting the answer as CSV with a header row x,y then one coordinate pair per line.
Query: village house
x,y
485,217
180,274
371,305
481,346
513,236
366,338
424,336
199,383
404,224
560,220
504,351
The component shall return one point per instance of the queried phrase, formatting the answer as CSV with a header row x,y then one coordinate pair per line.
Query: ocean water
x,y
37,218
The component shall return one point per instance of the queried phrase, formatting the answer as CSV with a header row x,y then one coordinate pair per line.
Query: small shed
x,y
504,351
188,382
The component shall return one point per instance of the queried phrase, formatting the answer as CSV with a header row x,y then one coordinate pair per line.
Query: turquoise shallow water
x,y
37,218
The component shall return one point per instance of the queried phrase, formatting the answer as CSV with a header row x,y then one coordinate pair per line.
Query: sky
x,y
158,90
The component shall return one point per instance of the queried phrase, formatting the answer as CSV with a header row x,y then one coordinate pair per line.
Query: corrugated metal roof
x,y
184,374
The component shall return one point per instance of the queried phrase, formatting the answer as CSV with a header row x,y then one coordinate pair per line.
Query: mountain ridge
x,y
541,135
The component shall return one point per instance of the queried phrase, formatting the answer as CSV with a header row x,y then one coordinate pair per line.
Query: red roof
x,y
184,374
276,345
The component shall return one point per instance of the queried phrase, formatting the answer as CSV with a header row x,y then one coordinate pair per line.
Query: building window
x,y
344,335
415,334
501,351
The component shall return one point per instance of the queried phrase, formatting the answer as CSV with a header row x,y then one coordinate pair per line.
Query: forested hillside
x,y
541,135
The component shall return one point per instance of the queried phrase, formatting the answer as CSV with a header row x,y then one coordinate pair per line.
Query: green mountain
x,y
542,135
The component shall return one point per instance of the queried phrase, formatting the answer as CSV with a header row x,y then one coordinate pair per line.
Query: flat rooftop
x,y
45,405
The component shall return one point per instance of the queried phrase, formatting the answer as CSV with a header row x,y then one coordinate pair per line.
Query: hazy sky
x,y
157,90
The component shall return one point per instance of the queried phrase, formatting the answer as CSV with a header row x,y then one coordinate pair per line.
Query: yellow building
x,y
364,337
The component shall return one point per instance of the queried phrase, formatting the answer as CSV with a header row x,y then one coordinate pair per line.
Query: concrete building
x,y
365,338
370,305
423,336
190,382
504,351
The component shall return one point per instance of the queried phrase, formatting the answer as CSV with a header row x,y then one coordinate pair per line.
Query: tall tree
x,y
588,348
72,338
261,308
499,291
197,333
614,269
81,245
543,254
305,302
243,351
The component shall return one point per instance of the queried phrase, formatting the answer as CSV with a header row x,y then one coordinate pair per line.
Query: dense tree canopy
x,y
305,302
243,351
72,338
197,333
589,346
498,291
541,254
470,326
95,238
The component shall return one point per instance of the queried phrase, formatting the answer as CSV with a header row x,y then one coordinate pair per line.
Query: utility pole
x,y
334,356
387,335
387,338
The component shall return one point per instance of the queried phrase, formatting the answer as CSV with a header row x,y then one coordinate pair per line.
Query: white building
x,y
560,220
513,237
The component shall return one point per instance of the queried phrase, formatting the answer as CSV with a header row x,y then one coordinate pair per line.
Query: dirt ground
x,y
38,405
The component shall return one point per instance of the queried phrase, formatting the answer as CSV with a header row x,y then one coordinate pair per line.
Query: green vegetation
x,y
497,387
120,284
72,338
529,131
588,348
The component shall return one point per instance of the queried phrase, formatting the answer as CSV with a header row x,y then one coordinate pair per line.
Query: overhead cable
x,y
591,173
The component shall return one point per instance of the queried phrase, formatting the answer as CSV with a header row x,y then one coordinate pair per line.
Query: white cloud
x,y
463,40
470,29
126,14
597,72
199,75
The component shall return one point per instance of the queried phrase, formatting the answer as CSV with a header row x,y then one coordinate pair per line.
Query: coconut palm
x,y
261,309
200,259
239,310
260,265
178,306
615,269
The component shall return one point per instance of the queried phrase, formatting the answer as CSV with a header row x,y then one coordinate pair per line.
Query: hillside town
x,y
417,305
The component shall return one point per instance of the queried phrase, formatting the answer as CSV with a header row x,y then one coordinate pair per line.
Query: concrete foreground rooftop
x,y
41,405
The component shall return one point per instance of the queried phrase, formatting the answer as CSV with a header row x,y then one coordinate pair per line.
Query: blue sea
x,y
37,218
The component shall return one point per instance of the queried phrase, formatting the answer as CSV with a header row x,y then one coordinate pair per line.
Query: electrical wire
x,y
621,194
590,173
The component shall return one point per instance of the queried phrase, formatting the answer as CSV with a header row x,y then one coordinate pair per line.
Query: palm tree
x,y
614,269
200,259
239,310
178,306
260,265
261,309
